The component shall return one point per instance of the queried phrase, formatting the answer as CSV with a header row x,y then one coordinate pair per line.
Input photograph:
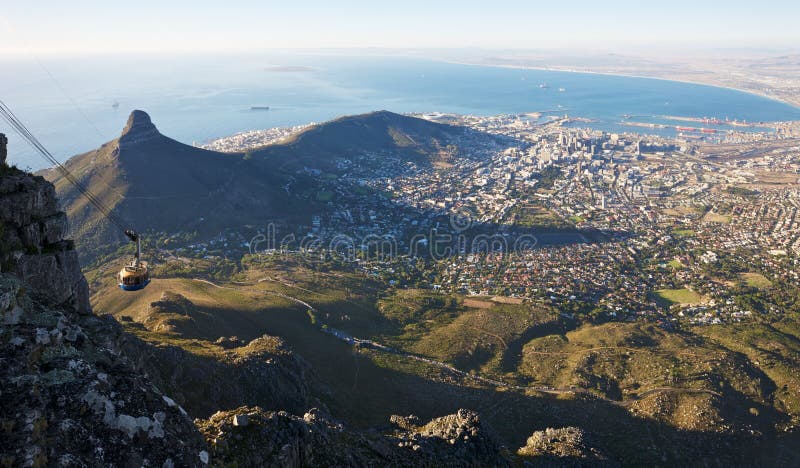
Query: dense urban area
x,y
691,228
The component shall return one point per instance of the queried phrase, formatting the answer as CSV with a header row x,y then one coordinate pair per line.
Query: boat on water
x,y
544,86
259,107
561,90
115,105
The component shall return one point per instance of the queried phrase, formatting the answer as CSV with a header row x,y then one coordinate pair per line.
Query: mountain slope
x,y
151,181
158,184
415,139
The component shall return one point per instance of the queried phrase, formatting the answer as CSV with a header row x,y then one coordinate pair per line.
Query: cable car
x,y
134,276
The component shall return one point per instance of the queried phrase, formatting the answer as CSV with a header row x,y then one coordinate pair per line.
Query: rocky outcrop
x,y
32,245
68,398
274,439
459,439
138,129
566,446
250,436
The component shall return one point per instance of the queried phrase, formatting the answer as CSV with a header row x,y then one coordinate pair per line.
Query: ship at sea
x,y
544,86
259,107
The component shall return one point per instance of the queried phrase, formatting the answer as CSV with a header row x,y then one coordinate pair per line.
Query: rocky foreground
x,y
67,396
70,399
254,437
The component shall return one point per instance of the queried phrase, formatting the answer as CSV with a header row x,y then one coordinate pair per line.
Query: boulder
x,y
564,446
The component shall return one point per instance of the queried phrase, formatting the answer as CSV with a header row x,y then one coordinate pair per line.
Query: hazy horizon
x,y
50,27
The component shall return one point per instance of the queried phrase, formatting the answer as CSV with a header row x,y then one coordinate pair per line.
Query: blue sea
x,y
68,102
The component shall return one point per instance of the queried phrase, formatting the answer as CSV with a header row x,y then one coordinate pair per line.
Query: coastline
x,y
628,75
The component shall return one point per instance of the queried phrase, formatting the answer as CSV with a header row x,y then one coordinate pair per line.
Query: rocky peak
x,y
138,129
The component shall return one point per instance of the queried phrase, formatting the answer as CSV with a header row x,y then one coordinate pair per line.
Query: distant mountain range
x,y
158,184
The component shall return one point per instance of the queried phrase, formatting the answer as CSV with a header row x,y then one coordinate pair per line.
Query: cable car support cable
x,y
132,277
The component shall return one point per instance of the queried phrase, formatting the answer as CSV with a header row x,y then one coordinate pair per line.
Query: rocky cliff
x,y
32,245
68,396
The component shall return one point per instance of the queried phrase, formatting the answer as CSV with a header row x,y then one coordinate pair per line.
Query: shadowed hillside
x,y
158,184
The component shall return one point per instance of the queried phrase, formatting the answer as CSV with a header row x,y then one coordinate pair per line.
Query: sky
x,y
93,26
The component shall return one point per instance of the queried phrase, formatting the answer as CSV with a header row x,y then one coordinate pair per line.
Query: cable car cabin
x,y
132,278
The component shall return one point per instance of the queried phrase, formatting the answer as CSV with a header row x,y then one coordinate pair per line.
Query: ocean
x,y
69,102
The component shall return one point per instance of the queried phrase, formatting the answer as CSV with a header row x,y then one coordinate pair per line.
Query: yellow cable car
x,y
134,276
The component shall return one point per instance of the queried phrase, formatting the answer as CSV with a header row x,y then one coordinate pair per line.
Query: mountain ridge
x,y
156,183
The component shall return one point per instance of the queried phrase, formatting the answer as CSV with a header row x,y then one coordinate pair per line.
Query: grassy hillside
x,y
775,349
653,388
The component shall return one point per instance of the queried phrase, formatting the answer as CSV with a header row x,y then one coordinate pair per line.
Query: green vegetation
x,y
361,190
548,177
533,217
756,280
775,349
217,268
741,191
683,233
675,263
712,217
669,297
469,333
668,379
